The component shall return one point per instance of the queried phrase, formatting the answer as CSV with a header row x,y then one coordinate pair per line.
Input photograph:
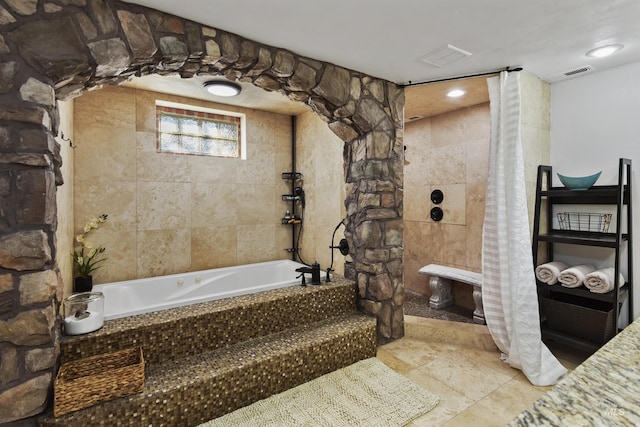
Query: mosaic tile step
x,y
183,331
194,389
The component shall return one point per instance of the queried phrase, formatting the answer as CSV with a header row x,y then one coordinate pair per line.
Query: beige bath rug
x,y
367,393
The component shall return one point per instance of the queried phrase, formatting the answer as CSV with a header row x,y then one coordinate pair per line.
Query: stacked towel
x,y
574,277
548,273
602,281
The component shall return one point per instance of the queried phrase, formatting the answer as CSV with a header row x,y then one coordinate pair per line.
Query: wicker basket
x,y
86,382
591,321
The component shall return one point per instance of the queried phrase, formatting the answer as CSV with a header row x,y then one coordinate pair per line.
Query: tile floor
x,y
460,363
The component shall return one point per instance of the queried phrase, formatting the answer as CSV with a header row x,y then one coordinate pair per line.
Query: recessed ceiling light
x,y
456,93
222,88
602,51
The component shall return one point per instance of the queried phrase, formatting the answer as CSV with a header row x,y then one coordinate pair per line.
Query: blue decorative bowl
x,y
579,182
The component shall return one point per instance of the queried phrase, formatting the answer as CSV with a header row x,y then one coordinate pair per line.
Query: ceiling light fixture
x,y
222,88
456,93
602,51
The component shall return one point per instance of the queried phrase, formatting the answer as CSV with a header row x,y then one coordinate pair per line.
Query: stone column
x,y
374,176
30,286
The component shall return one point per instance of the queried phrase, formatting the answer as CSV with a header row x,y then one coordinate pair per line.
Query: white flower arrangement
x,y
84,257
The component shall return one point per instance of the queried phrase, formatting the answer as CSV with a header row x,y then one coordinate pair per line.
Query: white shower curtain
x,y
509,291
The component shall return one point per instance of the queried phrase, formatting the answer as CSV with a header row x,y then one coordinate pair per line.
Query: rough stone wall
x,y
58,49
373,170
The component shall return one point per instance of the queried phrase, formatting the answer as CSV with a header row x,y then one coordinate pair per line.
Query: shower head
x,y
333,237
343,247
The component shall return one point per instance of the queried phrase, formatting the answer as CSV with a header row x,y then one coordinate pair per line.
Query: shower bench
x,y
441,285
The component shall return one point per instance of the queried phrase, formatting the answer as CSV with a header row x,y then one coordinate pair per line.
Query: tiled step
x,y
197,388
184,331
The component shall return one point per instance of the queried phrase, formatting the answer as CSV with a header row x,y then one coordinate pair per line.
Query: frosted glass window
x,y
169,143
169,124
194,132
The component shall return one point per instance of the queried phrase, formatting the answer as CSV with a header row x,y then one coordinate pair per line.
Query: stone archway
x,y
60,48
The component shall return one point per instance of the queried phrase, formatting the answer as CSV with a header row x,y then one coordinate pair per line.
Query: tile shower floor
x,y
459,362
416,304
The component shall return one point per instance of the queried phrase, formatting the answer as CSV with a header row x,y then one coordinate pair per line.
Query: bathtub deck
x,y
184,331
260,345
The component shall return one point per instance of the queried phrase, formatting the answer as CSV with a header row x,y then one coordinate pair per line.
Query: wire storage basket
x,y
584,221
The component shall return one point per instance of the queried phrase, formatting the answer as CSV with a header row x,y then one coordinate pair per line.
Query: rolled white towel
x,y
548,273
573,277
602,281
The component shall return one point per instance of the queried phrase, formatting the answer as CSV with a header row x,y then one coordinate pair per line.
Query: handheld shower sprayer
x,y
343,247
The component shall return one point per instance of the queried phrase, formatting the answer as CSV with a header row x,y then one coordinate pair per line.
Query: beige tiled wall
x,y
449,152
320,159
536,139
64,195
171,213
536,131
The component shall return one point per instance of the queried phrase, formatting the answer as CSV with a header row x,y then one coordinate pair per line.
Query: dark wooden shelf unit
x,y
582,305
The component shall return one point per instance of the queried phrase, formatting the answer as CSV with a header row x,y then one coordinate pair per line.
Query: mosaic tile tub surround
x,y
169,334
212,358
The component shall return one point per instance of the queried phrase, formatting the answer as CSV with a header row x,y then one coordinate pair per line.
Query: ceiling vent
x,y
444,55
580,70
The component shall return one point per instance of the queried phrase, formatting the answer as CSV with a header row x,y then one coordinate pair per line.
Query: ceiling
x,y
250,97
420,101
387,38
430,99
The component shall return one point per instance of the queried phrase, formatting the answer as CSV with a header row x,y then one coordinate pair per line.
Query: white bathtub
x,y
131,297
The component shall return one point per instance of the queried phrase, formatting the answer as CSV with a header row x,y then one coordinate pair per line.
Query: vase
x,y
83,284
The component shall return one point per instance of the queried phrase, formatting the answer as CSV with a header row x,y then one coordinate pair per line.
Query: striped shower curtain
x,y
509,291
